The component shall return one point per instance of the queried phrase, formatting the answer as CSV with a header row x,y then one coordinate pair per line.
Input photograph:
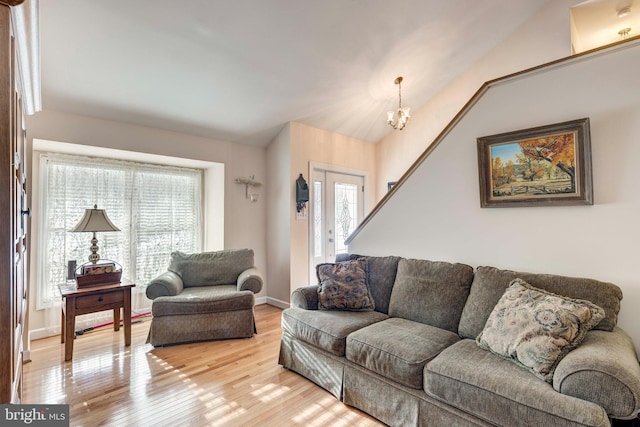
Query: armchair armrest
x,y
166,284
251,280
305,297
604,369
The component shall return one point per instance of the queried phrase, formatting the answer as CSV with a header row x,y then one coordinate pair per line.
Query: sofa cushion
x,y
343,286
203,299
327,330
536,329
489,284
494,389
430,292
398,348
211,268
381,275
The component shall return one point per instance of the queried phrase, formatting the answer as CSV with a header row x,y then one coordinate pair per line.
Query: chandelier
x,y
401,120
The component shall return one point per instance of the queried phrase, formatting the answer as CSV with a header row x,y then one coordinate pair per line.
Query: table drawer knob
x,y
100,299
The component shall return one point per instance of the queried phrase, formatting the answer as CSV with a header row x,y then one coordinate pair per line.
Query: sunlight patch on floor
x,y
269,392
225,413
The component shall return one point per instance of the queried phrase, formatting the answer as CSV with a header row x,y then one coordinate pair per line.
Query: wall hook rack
x,y
249,182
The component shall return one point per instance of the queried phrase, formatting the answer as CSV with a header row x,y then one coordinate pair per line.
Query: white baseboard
x,y
36,334
49,331
277,303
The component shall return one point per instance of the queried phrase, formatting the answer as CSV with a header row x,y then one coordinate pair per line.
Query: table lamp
x,y
94,220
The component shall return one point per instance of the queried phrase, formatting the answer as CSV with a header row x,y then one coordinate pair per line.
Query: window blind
x,y
157,208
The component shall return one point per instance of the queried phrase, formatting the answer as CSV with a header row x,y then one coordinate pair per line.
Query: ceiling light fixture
x,y
403,113
624,11
624,33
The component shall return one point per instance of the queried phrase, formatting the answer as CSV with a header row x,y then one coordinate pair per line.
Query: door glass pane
x,y
346,216
317,219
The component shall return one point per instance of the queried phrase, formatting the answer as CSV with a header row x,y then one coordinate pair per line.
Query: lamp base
x,y
94,257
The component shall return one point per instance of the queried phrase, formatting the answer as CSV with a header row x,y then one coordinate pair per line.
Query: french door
x,y
336,209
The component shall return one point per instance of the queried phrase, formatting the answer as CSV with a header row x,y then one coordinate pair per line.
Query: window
x,y
157,208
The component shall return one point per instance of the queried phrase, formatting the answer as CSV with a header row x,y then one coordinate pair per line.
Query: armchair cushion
x,y
203,300
211,268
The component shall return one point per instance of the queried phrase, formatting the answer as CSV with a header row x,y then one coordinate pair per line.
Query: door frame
x,y
335,169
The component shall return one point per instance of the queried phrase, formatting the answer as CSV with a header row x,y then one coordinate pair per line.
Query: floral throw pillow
x,y
535,328
343,286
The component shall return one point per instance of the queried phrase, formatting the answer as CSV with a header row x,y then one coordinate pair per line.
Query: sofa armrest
x,y
604,369
251,280
305,297
166,284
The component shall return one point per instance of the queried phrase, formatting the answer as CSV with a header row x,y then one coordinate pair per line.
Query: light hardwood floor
x,y
218,383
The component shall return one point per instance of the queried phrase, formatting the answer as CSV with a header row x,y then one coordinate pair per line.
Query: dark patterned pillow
x,y
343,286
535,328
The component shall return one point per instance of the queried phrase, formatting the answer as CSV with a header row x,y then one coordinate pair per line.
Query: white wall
x,y
435,214
289,155
309,144
543,38
278,217
244,221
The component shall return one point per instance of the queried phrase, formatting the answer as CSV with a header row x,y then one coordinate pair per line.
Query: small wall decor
x,y
249,182
543,166
302,193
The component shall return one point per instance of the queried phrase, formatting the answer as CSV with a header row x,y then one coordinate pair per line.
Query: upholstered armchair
x,y
204,296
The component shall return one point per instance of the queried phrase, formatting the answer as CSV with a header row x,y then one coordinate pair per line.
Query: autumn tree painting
x,y
543,165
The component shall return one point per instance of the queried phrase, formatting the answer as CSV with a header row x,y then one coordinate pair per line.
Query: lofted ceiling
x,y
600,22
239,70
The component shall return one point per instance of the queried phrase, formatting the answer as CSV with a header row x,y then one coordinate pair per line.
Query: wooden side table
x,y
77,301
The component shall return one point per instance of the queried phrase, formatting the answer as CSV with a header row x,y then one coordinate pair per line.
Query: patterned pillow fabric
x,y
535,328
343,286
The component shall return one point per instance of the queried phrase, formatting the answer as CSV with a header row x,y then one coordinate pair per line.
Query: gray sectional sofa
x,y
417,355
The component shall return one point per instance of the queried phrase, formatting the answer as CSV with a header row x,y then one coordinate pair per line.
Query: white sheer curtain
x,y
157,208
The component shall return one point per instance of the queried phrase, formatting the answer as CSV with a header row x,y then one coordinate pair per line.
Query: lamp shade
x,y
95,220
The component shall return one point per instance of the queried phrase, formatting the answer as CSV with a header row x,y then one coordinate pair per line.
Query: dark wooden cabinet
x,y
14,211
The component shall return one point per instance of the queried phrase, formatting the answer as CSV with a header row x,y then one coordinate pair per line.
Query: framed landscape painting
x,y
542,166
